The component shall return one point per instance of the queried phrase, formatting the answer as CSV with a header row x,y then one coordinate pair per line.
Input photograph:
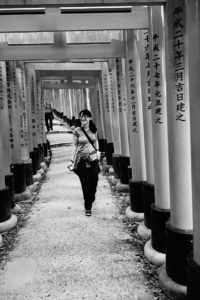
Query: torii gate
x,y
42,19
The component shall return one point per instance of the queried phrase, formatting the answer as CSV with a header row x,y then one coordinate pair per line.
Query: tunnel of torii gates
x,y
136,66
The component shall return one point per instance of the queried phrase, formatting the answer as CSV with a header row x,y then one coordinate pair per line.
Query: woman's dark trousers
x,y
48,121
89,179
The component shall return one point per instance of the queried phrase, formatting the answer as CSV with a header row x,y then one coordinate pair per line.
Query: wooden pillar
x,y
148,187
30,116
23,125
69,103
161,209
193,48
179,227
100,124
35,116
107,113
135,124
17,165
124,158
5,203
87,100
112,83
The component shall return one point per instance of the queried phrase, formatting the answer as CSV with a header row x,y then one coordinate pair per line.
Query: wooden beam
x,y
73,74
51,52
48,85
69,3
53,21
67,67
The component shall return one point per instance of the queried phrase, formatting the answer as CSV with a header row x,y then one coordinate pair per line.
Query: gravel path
x,y
62,254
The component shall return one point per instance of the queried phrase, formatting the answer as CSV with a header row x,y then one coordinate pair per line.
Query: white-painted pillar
x,y
23,125
193,48
5,133
69,103
29,104
64,102
93,104
106,104
160,210
122,105
87,98
14,117
97,112
134,111
179,228
42,112
112,81
75,104
34,108
179,120
146,102
159,107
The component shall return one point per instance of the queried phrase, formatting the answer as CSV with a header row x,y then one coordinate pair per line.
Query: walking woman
x,y
85,156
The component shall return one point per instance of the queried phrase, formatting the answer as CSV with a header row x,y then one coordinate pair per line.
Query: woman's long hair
x,y
92,126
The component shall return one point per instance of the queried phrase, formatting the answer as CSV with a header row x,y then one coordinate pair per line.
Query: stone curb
x,y
23,196
16,209
154,256
143,231
134,216
8,224
170,288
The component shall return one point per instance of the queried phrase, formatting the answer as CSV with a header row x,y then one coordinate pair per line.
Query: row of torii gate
x,y
143,91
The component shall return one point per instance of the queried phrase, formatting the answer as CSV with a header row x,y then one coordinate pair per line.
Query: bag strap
x,y
88,138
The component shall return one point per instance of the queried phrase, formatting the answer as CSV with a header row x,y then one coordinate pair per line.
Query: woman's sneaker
x,y
88,213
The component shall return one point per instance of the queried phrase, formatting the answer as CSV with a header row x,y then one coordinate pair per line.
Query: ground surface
x,y
56,252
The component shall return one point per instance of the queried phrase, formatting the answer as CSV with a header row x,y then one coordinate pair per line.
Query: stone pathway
x,y
63,255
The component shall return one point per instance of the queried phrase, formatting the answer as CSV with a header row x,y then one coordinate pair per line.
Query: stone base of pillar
x,y
179,245
41,152
23,196
113,181
19,177
102,145
28,172
47,160
143,231
134,216
115,165
109,152
5,212
43,165
127,200
41,171
124,162
193,279
16,209
45,147
148,200
136,195
122,188
170,288
37,177
159,217
38,157
155,257
32,188
9,182
111,171
129,173
9,224
32,155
